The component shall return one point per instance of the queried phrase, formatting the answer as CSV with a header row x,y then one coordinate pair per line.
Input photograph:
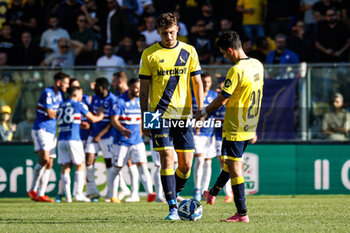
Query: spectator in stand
x,y
190,10
264,44
182,35
256,52
109,59
33,18
118,25
151,33
86,36
203,42
306,7
332,40
301,42
27,53
320,10
345,10
281,55
335,124
24,128
50,37
148,9
3,60
68,12
254,15
130,7
97,15
68,50
14,16
141,45
6,127
246,45
138,12
226,24
280,14
128,51
6,41
210,20
6,76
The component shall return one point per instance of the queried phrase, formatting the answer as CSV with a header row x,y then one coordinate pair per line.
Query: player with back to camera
x,y
44,135
70,145
126,118
241,95
219,115
84,131
166,70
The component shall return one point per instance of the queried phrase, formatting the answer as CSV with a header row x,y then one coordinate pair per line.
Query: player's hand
x,y
84,125
100,109
255,139
146,132
197,130
199,116
126,133
97,138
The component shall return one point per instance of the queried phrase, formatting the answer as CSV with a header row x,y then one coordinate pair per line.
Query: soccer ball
x,y
190,210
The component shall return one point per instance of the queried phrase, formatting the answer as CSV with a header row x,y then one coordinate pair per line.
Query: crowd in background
x,y
61,33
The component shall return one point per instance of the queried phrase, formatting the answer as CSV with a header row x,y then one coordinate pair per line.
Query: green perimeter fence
x,y
274,168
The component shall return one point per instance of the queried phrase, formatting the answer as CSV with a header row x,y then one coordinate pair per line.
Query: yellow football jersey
x,y
244,88
170,72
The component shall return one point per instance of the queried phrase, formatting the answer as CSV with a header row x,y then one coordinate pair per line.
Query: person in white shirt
x,y
109,60
151,33
67,52
50,37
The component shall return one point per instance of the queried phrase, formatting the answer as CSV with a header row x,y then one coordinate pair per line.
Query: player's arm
x,y
144,90
48,105
105,130
198,93
94,118
116,123
77,46
52,114
217,103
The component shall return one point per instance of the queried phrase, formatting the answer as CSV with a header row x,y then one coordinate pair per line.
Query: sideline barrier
x,y
270,168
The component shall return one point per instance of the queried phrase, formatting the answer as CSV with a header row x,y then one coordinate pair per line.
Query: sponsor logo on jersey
x,y
175,71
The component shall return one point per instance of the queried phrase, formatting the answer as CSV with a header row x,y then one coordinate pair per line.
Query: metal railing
x,y
20,87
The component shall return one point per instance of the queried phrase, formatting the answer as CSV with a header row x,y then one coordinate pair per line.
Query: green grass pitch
x,y
267,214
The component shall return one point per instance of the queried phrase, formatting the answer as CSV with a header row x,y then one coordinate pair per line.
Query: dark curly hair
x,y
229,39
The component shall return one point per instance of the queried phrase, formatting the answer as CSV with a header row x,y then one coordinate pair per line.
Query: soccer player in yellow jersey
x,y
241,95
166,70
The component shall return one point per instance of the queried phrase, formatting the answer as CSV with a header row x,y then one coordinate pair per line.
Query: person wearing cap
x,y
335,124
6,127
